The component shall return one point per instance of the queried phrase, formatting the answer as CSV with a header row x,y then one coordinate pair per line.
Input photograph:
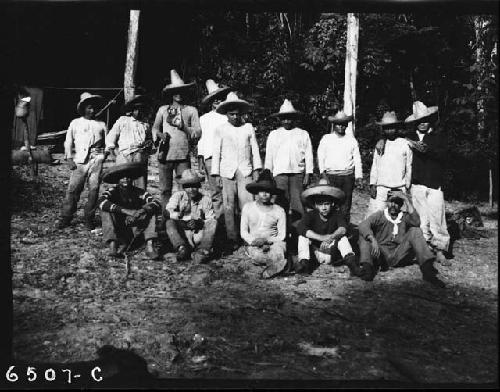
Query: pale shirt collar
x,y
421,135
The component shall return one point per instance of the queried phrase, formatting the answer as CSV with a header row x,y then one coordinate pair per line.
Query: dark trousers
x,y
177,235
166,177
115,229
346,183
412,244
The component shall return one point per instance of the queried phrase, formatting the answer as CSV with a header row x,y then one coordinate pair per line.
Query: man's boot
x,y
274,268
113,250
441,259
182,253
429,274
352,263
367,272
64,222
151,252
201,256
303,267
89,223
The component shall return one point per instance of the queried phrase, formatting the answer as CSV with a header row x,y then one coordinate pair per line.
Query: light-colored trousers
x,y
304,246
429,204
380,202
276,253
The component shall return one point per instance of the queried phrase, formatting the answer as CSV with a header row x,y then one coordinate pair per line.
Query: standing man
x,y
429,150
131,133
209,122
86,135
175,125
236,159
289,157
339,158
392,170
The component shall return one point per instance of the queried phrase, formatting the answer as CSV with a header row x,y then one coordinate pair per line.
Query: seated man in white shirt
x,y
263,227
339,158
392,170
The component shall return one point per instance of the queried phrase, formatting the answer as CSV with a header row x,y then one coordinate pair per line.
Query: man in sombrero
x,y
392,170
127,211
392,237
131,135
263,226
191,222
174,126
209,122
86,135
323,230
339,158
429,150
236,159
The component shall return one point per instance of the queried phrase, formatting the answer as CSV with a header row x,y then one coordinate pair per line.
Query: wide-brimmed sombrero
x,y
321,188
214,91
287,111
233,102
390,120
131,170
265,182
340,118
190,177
421,113
176,83
138,100
87,98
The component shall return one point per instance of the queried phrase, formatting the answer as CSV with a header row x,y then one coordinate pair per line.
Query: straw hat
x,y
232,101
287,111
138,100
340,118
87,98
214,91
265,182
131,170
389,119
421,113
190,177
176,83
321,188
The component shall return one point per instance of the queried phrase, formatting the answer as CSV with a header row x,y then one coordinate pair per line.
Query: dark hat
x,y
321,188
395,196
131,170
287,111
87,98
214,91
265,182
138,100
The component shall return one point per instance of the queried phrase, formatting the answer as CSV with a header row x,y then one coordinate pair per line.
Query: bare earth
x,y
221,320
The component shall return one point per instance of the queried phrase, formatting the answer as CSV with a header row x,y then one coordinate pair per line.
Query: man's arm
x,y
409,161
374,168
281,227
256,162
268,163
358,168
245,225
68,142
106,202
158,124
216,152
112,136
193,128
322,154
173,205
309,156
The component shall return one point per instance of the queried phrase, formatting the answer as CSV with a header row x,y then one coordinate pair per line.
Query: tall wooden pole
x,y
131,61
351,65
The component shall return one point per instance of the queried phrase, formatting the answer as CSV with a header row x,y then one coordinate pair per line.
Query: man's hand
x,y
373,191
163,136
380,147
421,147
201,164
325,246
71,164
306,179
259,242
358,182
375,251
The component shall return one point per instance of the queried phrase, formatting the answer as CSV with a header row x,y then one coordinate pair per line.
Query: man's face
x,y
423,127
177,98
264,197
324,205
192,190
287,123
390,133
137,113
339,128
216,103
234,117
89,112
394,207
126,182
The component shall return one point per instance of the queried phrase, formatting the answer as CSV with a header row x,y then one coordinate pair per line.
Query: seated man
x,y
126,210
190,219
393,237
263,226
324,229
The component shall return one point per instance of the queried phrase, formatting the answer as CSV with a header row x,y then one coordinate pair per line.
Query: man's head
x,y
126,182
394,203
235,117
89,111
216,102
264,197
339,128
390,133
193,190
140,112
324,204
287,122
177,97
424,127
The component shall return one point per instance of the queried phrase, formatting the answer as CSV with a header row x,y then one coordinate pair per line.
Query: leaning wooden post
x,y
351,64
131,61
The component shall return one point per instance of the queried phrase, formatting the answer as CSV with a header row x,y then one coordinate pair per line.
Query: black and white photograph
x,y
240,194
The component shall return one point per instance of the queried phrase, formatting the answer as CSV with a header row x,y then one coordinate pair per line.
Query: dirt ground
x,y
221,320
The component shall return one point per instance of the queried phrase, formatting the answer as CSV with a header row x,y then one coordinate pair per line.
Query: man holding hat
x,y
235,157
127,211
191,222
131,133
391,238
289,157
392,170
263,226
429,150
175,125
339,158
209,122
323,230
86,135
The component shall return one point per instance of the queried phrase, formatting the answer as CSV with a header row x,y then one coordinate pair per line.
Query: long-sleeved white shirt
x,y
128,133
208,123
339,153
235,148
258,223
393,169
289,151
83,134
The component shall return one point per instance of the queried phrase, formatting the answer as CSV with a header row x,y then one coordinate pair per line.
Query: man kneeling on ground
x,y
191,222
126,210
391,237
323,230
263,226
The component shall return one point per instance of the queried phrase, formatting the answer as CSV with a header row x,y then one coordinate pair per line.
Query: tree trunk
x,y
351,63
131,61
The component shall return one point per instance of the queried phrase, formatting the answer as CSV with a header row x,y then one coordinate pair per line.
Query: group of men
x,y
284,224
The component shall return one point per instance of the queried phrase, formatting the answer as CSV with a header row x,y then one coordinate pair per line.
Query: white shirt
x,y
208,122
235,148
257,223
289,151
83,134
393,169
339,153
128,133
